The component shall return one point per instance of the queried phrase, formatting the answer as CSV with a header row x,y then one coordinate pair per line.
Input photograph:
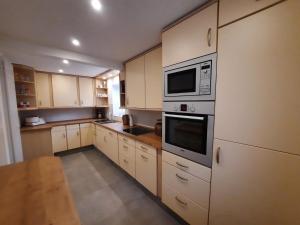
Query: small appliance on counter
x,y
127,120
158,128
34,121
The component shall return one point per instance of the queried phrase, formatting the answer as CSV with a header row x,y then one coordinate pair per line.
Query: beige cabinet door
x,y
112,146
257,97
146,170
231,10
86,91
135,83
100,137
254,186
65,91
59,139
73,136
43,90
154,79
86,134
192,38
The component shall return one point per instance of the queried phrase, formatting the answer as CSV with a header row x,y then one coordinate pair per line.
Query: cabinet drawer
x,y
146,170
111,134
73,126
187,209
236,9
59,128
85,125
186,184
146,148
188,166
127,163
125,148
126,140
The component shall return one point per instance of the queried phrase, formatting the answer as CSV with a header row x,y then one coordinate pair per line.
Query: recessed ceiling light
x,y
60,70
65,61
75,42
96,5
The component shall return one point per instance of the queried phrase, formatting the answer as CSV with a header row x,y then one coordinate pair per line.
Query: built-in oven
x,y
188,130
192,80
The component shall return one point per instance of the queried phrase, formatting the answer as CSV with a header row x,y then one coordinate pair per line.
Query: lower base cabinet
x,y
254,186
186,188
59,139
73,136
127,156
146,170
86,134
111,146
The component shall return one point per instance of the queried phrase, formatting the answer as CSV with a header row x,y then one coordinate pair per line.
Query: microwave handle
x,y
185,117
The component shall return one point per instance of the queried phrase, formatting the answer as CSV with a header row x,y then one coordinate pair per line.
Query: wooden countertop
x,y
149,138
55,124
36,192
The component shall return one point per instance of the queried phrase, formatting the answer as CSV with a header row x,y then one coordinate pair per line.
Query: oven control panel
x,y
205,78
190,107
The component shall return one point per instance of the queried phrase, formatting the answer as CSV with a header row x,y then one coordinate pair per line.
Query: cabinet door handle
x,y
182,178
181,201
64,136
125,161
110,133
209,37
181,165
218,155
125,140
40,102
144,157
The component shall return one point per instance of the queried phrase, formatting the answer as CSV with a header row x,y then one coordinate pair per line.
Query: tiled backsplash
x,y
147,118
51,115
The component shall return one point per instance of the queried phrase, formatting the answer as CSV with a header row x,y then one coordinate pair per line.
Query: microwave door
x,y
183,81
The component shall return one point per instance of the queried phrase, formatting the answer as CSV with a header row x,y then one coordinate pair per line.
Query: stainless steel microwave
x,y
192,80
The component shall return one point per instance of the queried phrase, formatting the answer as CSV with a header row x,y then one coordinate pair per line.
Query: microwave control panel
x,y
205,77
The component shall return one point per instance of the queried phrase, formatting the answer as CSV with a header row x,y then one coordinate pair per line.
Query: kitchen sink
x,y
104,121
138,130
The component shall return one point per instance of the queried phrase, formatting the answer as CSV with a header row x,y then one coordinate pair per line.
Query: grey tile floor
x,y
106,195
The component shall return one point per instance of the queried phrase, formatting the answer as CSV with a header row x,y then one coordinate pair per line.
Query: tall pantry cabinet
x,y
256,167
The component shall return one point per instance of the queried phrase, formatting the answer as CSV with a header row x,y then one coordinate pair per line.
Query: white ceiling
x,y
121,30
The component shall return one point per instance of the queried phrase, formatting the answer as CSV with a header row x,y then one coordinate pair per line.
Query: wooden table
x,y
36,193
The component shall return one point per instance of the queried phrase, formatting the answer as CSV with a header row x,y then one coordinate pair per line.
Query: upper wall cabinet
x,y
86,91
231,10
257,96
43,90
135,83
153,79
192,38
65,91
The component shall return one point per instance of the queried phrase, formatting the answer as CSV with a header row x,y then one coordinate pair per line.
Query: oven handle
x,y
185,117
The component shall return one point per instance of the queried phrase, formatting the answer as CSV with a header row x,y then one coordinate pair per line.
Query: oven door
x,y
182,81
189,136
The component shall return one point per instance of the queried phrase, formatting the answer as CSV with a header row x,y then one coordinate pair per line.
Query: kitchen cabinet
x,y
59,139
257,96
100,136
191,38
135,83
86,134
146,170
127,156
73,136
254,186
186,188
86,92
36,143
153,79
111,145
231,10
43,90
65,91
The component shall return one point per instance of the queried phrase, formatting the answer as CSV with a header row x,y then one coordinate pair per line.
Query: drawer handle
x,y
181,201
111,134
209,37
144,149
125,147
144,157
125,161
182,178
125,140
181,165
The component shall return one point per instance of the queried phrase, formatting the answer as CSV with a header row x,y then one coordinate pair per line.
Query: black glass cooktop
x,y
138,130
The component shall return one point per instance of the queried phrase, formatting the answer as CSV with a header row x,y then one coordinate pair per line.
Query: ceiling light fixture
x,y
96,5
75,42
60,70
65,61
